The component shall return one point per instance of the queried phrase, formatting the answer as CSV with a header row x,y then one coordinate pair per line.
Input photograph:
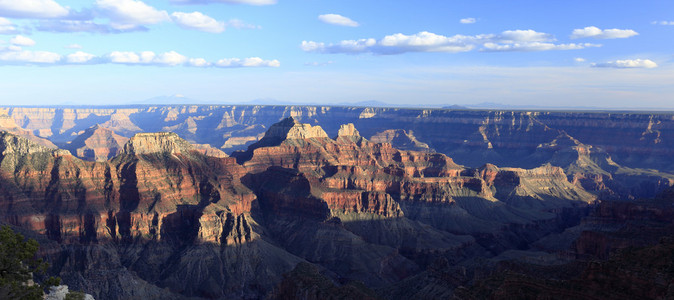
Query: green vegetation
x,y
17,266
75,296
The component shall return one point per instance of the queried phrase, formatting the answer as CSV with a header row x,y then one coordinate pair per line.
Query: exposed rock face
x,y
343,165
7,124
472,138
290,128
348,130
176,204
359,181
182,220
15,145
594,170
161,142
97,143
400,139
208,150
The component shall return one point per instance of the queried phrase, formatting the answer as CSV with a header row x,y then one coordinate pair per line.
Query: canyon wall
x,y
145,199
471,137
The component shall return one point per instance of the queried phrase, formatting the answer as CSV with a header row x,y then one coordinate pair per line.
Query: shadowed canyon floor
x,y
320,202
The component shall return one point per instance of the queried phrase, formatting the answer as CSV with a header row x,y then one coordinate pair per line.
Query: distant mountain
x,y
369,103
170,100
268,101
455,106
502,106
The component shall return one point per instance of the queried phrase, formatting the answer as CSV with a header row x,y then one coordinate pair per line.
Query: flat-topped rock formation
x,y
159,142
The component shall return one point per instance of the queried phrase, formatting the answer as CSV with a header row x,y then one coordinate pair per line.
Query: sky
x,y
587,54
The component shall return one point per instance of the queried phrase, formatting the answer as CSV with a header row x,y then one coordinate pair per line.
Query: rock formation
x,y
471,137
157,193
166,213
7,124
97,143
400,139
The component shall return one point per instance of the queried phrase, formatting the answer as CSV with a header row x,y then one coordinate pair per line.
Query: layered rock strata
x,y
158,194
172,215
357,180
472,137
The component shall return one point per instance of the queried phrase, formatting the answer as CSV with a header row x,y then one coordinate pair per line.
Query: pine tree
x,y
18,263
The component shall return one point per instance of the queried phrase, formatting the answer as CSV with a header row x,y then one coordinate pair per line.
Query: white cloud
x,y
21,40
579,59
525,36
238,24
173,58
26,56
247,62
13,54
41,9
468,21
348,46
535,46
79,57
7,27
198,21
319,64
198,62
170,58
124,57
130,14
428,42
335,19
79,26
249,2
662,22
594,32
510,40
628,63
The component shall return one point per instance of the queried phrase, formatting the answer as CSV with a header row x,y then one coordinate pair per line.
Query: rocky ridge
x,y
154,195
471,137
207,226
400,139
97,143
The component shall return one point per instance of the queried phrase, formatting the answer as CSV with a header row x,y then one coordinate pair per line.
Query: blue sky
x,y
617,54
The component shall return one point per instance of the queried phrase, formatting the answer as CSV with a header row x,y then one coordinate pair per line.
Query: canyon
x,y
312,202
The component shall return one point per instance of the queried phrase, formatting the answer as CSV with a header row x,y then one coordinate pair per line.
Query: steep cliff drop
x,y
153,215
167,218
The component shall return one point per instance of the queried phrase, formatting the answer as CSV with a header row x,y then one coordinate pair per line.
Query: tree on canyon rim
x,y
18,263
